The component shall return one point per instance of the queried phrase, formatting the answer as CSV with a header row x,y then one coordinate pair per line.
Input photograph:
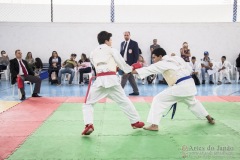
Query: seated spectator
x,y
4,62
206,64
38,65
68,67
238,64
54,65
224,71
84,66
195,70
20,68
30,60
185,52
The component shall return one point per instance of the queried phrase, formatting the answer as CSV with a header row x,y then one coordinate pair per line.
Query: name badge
x,y
130,51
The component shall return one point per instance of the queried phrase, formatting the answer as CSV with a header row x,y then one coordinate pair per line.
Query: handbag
x,y
20,82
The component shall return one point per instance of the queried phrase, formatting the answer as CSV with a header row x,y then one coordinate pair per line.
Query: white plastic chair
x,y
19,93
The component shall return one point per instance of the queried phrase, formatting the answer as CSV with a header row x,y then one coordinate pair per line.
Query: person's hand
x,y
18,75
223,67
134,72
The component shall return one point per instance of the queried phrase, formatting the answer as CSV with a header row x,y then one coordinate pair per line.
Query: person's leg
x,y
203,70
36,80
124,79
72,73
160,103
197,108
2,67
227,75
61,71
118,95
22,90
133,83
82,71
220,77
95,94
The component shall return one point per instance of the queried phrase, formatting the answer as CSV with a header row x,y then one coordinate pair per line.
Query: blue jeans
x,y
66,70
203,71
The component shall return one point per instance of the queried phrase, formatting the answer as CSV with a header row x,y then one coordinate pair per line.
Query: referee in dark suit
x,y
130,52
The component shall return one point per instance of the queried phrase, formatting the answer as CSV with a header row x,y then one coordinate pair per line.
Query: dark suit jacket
x,y
131,57
14,69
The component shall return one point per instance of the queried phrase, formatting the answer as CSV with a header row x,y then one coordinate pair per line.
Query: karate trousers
x,y
117,94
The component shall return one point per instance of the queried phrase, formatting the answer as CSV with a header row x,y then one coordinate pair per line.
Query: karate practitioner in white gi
x,y
174,70
224,71
106,60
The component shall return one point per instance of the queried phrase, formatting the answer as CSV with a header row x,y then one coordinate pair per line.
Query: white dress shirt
x,y
125,52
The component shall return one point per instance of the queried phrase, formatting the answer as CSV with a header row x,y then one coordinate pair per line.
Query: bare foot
x,y
210,119
152,127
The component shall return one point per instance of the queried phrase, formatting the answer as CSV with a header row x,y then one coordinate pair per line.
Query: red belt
x,y
98,75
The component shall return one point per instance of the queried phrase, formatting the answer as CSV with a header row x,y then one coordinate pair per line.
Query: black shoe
x,y
23,98
133,94
203,82
35,95
211,82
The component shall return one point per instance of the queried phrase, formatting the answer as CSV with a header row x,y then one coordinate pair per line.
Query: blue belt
x,y
182,79
174,106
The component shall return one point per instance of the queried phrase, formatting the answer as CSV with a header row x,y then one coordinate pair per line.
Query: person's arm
x,y
50,62
12,68
59,62
188,53
121,62
136,52
155,68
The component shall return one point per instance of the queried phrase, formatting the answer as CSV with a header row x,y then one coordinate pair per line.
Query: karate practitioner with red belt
x,y
106,60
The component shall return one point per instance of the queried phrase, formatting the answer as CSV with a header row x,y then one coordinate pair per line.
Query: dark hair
x,y
103,36
54,52
38,63
224,57
159,52
85,58
2,51
17,51
73,55
193,57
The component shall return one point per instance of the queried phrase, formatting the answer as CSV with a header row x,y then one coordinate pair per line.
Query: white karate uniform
x,y
106,59
196,67
225,72
182,92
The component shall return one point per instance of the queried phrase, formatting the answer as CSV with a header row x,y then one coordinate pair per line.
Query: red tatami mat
x,y
20,121
8,145
231,98
81,100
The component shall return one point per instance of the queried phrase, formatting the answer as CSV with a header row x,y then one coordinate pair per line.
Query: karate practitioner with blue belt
x,y
181,87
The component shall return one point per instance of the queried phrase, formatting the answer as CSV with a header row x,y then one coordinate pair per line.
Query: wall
x,y
123,13
42,38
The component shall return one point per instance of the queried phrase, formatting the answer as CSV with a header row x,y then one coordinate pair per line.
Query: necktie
x,y
23,69
124,48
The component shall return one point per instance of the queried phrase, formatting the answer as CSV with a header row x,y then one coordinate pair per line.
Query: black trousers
x,y
82,71
2,67
50,70
32,79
